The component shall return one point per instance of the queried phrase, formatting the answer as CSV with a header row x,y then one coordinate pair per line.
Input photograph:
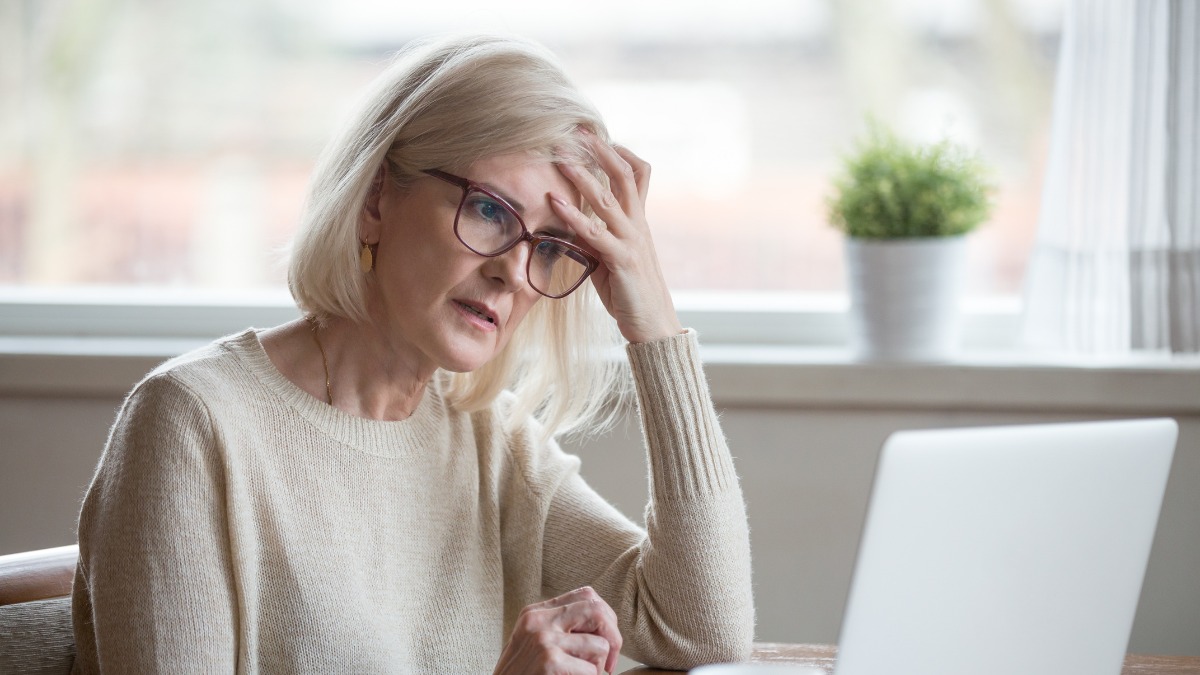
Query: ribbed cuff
x,y
688,454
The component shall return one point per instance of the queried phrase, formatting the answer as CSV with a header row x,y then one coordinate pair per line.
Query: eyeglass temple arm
x,y
449,178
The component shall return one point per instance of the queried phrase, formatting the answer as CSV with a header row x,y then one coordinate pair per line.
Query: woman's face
x,y
435,296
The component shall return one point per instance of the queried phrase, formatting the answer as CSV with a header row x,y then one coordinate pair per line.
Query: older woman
x,y
376,487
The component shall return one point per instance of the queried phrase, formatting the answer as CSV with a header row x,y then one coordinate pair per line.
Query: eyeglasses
x,y
489,226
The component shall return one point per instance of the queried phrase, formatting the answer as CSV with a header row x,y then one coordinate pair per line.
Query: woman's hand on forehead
x,y
629,280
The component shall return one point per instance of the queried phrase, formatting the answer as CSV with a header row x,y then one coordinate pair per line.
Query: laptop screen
x,y
1006,550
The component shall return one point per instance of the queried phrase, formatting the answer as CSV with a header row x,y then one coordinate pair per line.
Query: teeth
x,y
478,313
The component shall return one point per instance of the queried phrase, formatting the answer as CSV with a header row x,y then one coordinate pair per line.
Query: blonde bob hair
x,y
447,103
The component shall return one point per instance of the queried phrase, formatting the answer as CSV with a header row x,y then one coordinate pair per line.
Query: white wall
x,y
805,432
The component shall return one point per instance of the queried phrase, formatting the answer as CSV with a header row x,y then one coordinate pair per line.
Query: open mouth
x,y
477,312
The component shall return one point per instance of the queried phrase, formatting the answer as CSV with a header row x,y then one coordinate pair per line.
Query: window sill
x,y
767,376
739,376
760,350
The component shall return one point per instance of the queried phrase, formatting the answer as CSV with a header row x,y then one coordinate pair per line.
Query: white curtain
x,y
1116,264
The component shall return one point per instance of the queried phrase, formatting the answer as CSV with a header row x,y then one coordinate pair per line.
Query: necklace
x,y
312,320
316,327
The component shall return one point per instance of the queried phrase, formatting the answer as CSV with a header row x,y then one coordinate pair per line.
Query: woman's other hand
x,y
573,633
629,280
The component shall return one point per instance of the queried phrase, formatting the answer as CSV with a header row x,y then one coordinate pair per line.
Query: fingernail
x,y
558,200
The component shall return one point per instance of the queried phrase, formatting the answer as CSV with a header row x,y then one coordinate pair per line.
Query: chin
x,y
461,353
467,360
462,368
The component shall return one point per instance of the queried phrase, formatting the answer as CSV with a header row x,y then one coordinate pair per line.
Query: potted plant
x,y
906,209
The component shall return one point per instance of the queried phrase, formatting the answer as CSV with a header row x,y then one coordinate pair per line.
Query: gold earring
x,y
366,260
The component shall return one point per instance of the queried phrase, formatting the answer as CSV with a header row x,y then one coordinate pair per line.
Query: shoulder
x,y
218,374
207,366
183,389
162,427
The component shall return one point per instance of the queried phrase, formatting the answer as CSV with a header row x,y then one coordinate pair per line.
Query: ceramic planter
x,y
904,296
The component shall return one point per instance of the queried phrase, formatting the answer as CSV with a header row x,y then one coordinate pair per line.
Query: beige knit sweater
x,y
235,523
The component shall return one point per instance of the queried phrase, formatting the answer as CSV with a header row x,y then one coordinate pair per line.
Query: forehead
x,y
525,178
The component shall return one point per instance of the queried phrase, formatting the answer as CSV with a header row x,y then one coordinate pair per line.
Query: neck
x,y
369,375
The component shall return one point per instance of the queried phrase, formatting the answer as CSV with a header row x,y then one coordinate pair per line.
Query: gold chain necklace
x,y
312,320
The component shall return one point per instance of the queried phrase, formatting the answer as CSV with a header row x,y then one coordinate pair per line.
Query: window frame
x,y
802,320
811,326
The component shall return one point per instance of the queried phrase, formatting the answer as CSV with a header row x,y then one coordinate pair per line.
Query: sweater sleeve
x,y
681,589
153,590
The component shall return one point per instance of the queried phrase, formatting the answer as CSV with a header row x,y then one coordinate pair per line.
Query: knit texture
x,y
237,524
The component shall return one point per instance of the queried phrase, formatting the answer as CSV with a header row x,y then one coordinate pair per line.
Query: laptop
x,y
1003,550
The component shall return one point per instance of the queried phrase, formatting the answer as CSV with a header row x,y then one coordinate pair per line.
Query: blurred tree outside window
x,y
168,144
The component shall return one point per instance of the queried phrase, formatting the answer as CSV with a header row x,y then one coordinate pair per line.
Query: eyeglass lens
x,y
487,226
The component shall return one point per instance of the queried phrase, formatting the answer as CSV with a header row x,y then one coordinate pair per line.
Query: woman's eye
x,y
550,249
489,210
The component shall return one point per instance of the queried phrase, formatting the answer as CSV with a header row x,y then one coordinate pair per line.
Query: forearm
x,y
698,540
682,587
687,454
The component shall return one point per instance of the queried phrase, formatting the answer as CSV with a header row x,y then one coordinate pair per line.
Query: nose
x,y
509,268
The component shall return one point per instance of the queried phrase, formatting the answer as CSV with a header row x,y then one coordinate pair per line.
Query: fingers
x,y
602,200
629,175
623,200
629,279
641,171
593,231
592,649
622,177
584,611
593,616
584,593
578,625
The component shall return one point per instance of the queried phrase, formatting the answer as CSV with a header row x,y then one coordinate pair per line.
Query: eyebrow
x,y
558,232
503,195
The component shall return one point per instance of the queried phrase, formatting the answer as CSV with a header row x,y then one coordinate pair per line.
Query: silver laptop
x,y
1005,550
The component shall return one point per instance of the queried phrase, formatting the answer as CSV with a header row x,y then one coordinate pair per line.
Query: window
x,y
168,144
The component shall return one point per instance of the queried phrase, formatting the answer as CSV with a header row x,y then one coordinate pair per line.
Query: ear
x,y
371,222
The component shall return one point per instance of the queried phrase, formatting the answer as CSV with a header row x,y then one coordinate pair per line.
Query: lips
x,y
482,311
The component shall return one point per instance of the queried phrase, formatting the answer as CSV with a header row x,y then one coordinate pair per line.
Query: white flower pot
x,y
904,296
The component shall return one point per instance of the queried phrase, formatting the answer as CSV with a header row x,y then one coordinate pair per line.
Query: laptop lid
x,y
1006,550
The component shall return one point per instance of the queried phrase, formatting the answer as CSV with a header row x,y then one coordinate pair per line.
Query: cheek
x,y
427,262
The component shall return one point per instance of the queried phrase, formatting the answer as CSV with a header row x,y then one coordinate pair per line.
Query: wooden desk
x,y
823,657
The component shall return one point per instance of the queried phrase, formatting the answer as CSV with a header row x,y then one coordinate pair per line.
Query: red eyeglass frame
x,y
469,185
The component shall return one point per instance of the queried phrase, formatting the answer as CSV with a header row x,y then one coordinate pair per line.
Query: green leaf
x,y
890,189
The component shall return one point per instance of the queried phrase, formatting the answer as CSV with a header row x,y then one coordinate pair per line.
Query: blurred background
x,y
160,144
162,148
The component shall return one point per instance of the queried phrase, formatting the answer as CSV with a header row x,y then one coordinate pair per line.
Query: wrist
x,y
663,333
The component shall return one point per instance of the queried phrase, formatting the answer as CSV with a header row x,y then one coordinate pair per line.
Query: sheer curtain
x,y
1116,264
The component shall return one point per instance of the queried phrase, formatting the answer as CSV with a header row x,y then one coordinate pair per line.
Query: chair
x,y
35,611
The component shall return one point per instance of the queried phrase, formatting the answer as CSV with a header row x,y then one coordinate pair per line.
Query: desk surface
x,y
823,657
